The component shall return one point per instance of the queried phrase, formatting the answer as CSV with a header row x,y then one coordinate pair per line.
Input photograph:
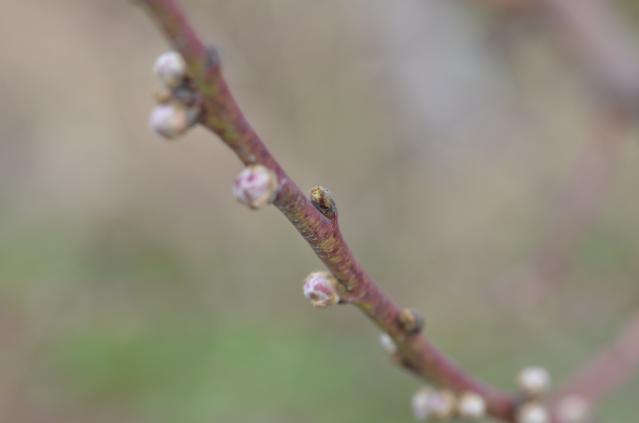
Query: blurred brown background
x,y
477,175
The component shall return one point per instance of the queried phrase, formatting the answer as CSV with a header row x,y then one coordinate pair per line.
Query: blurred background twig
x,y
123,283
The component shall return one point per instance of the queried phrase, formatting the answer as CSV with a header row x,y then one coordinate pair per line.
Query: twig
x,y
221,114
581,200
600,39
608,370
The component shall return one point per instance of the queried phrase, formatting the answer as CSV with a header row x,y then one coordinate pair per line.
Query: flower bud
x,y
171,120
443,404
532,412
410,321
471,406
573,409
323,201
534,381
428,402
421,404
170,69
321,289
255,186
387,343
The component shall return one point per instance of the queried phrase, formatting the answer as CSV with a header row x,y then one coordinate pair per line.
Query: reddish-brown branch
x,y
600,40
222,115
609,369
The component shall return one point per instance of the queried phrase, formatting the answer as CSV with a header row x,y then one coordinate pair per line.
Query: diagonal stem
x,y
221,114
613,366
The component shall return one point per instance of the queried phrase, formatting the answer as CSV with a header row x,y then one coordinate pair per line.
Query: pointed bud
x,y
172,120
323,201
387,343
170,69
410,321
321,289
533,381
532,412
471,406
255,186
431,403
573,409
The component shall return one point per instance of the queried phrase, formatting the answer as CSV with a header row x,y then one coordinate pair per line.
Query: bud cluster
x,y
177,109
432,404
533,383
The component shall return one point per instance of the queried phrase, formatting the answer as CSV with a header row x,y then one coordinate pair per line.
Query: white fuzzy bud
x,y
428,403
171,120
534,381
471,406
170,69
421,404
532,412
387,343
320,288
573,409
255,186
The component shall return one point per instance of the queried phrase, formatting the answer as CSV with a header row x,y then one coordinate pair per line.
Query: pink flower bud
x,y
532,412
171,120
471,406
170,69
321,289
255,186
534,381
428,402
573,409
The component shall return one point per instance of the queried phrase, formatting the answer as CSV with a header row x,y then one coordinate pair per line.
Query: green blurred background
x,y
133,288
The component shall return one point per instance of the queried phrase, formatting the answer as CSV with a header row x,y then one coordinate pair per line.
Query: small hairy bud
x,y
471,406
410,321
320,288
170,69
573,409
255,186
443,405
171,120
534,381
532,412
323,201
428,402
387,343
421,404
